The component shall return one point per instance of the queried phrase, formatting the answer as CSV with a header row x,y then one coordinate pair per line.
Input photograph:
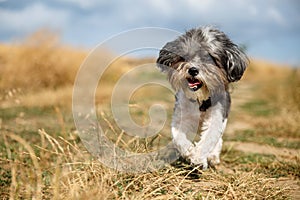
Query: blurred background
x,y
268,29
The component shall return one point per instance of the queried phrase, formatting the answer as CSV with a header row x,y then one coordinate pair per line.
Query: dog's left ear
x,y
227,55
235,62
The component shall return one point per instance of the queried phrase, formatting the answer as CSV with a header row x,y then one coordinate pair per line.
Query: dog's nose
x,y
193,71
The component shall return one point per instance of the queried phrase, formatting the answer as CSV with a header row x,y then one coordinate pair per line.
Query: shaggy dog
x,y
200,65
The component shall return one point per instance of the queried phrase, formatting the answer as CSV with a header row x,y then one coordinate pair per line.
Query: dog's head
x,y
202,61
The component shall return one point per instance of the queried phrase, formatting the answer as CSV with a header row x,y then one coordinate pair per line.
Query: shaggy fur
x,y
200,64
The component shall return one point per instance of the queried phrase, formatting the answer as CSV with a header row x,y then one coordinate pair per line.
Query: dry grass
x,y
39,62
42,156
278,89
62,170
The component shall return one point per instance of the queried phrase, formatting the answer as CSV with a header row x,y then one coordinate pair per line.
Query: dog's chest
x,y
193,114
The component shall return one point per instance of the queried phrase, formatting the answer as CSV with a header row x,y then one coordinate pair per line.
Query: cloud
x,y
32,17
276,16
88,22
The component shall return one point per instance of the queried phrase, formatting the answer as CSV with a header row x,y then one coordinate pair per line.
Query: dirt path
x,y
280,153
240,95
243,93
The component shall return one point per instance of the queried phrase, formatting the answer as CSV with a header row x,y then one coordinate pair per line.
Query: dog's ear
x,y
168,58
235,63
226,54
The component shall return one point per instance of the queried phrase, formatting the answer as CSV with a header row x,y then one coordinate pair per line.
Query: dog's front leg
x,y
210,144
181,141
185,124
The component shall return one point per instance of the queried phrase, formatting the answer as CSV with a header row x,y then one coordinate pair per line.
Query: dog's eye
x,y
180,59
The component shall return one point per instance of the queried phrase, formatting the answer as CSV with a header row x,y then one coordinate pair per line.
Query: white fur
x,y
185,125
207,35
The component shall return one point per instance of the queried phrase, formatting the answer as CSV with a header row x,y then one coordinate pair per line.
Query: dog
x,y
200,65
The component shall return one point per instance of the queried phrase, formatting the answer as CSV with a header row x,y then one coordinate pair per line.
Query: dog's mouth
x,y
194,84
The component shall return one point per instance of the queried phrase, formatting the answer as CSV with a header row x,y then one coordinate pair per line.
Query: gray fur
x,y
206,45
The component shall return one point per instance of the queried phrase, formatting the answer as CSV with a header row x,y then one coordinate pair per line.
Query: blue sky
x,y
269,28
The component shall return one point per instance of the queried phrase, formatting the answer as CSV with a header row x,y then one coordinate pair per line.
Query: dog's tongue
x,y
193,82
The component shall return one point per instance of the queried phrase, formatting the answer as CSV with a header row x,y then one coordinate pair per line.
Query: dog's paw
x,y
192,155
198,161
204,162
214,160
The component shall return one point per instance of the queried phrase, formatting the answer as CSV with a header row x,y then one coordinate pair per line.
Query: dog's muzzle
x,y
193,83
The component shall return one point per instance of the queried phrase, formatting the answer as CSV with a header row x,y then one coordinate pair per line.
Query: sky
x,y
270,29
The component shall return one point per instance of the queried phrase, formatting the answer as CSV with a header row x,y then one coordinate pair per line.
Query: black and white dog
x,y
200,65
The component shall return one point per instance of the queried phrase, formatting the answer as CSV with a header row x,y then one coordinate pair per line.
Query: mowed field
x,y
42,156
